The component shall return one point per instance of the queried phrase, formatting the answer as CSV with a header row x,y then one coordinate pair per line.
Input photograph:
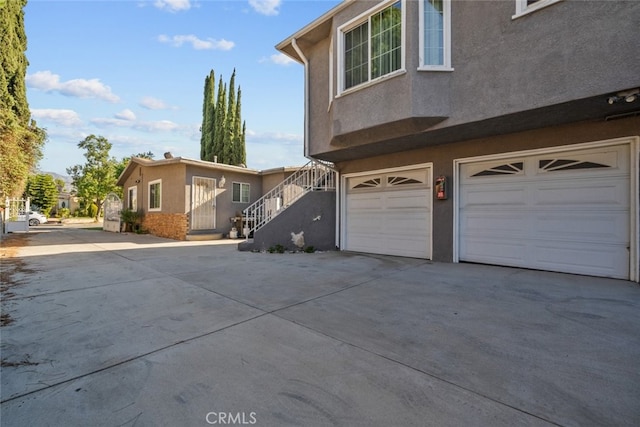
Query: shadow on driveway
x,y
125,329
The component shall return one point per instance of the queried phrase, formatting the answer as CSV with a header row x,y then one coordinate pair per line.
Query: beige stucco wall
x,y
270,179
173,195
225,207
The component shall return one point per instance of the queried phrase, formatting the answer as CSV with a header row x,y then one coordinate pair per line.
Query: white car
x,y
35,218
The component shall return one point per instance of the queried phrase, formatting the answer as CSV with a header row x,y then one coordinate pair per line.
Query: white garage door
x,y
566,211
389,213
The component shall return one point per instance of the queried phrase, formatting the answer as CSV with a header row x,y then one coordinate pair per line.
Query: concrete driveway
x,y
124,329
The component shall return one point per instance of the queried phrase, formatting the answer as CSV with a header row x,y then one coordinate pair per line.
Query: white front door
x,y
565,211
389,212
203,203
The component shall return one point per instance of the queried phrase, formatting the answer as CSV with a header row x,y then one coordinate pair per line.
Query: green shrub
x,y
309,249
276,249
92,211
63,213
131,218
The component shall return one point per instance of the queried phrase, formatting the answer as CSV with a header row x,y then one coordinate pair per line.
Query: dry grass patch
x,y
10,264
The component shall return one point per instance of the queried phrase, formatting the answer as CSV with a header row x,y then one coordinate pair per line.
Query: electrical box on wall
x,y
441,188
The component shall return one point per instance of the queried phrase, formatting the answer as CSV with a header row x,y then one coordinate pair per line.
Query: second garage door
x,y
389,213
567,211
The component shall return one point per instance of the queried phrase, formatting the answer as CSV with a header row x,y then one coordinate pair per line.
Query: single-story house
x,y
187,199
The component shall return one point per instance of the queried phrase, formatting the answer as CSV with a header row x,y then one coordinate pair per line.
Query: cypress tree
x,y
20,139
223,131
208,118
218,142
239,151
13,92
229,124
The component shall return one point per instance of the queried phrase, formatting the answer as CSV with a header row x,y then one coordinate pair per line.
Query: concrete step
x,y
204,235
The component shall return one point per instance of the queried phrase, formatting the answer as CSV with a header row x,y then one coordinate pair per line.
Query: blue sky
x,y
133,71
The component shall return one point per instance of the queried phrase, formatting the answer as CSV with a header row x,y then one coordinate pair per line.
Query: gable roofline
x,y
134,161
311,33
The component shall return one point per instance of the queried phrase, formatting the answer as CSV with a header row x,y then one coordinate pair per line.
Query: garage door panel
x,y
415,246
389,219
394,244
493,223
583,226
406,200
607,261
491,251
364,223
583,192
479,195
567,211
364,201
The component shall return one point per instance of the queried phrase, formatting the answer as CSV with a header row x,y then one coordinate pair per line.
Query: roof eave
x,y
319,24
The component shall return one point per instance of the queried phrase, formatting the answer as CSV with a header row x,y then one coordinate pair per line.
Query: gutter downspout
x,y
305,61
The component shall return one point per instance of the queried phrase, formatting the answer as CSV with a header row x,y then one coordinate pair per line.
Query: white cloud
x,y
282,137
62,117
43,80
159,126
266,7
80,88
100,122
125,114
154,126
173,5
151,103
197,43
281,59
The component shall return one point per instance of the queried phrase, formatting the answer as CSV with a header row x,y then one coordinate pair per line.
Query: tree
x,y
122,164
219,121
223,131
240,130
229,124
43,192
60,184
208,117
21,140
96,178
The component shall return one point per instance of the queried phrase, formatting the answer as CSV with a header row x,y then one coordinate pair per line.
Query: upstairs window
x,y
372,46
435,35
524,7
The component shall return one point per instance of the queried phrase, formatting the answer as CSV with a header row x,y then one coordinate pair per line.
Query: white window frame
x,y
132,190
357,21
446,66
154,182
241,184
523,8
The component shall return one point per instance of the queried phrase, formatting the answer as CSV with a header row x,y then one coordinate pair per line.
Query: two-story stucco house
x,y
499,132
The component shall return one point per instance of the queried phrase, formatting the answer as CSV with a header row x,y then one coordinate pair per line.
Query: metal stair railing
x,y
314,176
